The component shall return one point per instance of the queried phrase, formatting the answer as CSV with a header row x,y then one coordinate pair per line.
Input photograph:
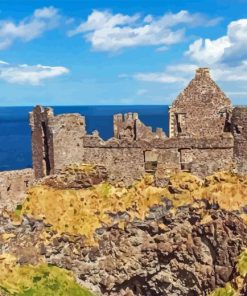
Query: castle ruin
x,y
206,134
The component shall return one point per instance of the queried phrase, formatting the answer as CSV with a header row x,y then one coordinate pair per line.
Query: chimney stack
x,y
202,72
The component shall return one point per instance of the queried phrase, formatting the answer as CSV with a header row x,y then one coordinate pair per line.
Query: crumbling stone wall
x,y
41,140
203,162
239,130
128,156
201,157
13,185
122,164
60,140
168,161
131,128
56,140
67,132
201,110
201,140
130,160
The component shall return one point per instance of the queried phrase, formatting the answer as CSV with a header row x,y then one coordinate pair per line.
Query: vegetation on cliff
x,y
226,189
238,286
38,280
82,211
226,291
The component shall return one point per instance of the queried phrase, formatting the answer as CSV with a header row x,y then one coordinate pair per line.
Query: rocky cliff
x,y
183,239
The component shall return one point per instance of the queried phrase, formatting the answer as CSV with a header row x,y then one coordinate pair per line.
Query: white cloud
x,y
183,73
162,49
208,51
25,74
113,32
141,92
229,48
172,74
46,12
182,68
123,75
222,72
3,63
226,57
161,77
32,27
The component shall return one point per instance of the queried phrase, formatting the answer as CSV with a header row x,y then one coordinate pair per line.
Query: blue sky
x,y
94,52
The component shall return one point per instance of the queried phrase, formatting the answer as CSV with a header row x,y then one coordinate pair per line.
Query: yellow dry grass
x,y
226,189
83,211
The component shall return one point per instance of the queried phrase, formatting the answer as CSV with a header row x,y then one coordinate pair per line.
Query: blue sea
x,y
15,133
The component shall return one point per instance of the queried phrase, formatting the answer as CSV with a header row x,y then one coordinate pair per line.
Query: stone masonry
x,y
201,110
55,140
239,130
206,134
13,185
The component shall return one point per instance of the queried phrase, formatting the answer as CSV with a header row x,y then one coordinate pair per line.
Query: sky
x,y
118,52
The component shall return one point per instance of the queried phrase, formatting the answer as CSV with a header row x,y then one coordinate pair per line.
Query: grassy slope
x,y
39,280
83,211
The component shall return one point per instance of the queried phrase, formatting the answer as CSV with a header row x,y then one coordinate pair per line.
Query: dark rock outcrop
x,y
190,252
76,177
177,255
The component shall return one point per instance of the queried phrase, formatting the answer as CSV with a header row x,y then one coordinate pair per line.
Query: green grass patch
x,y
226,291
40,280
242,263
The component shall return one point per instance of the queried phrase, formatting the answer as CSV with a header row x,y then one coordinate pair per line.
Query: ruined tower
x,y
201,110
56,140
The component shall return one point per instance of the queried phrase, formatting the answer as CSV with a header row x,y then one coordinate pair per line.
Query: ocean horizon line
x,y
86,105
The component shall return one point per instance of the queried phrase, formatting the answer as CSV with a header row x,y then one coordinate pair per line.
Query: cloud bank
x,y
230,48
183,73
226,56
113,32
32,27
26,74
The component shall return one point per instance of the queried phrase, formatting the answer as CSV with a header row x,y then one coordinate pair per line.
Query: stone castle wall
x,y
40,141
122,164
13,185
56,140
204,162
67,132
134,149
201,110
126,163
204,138
61,140
239,130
